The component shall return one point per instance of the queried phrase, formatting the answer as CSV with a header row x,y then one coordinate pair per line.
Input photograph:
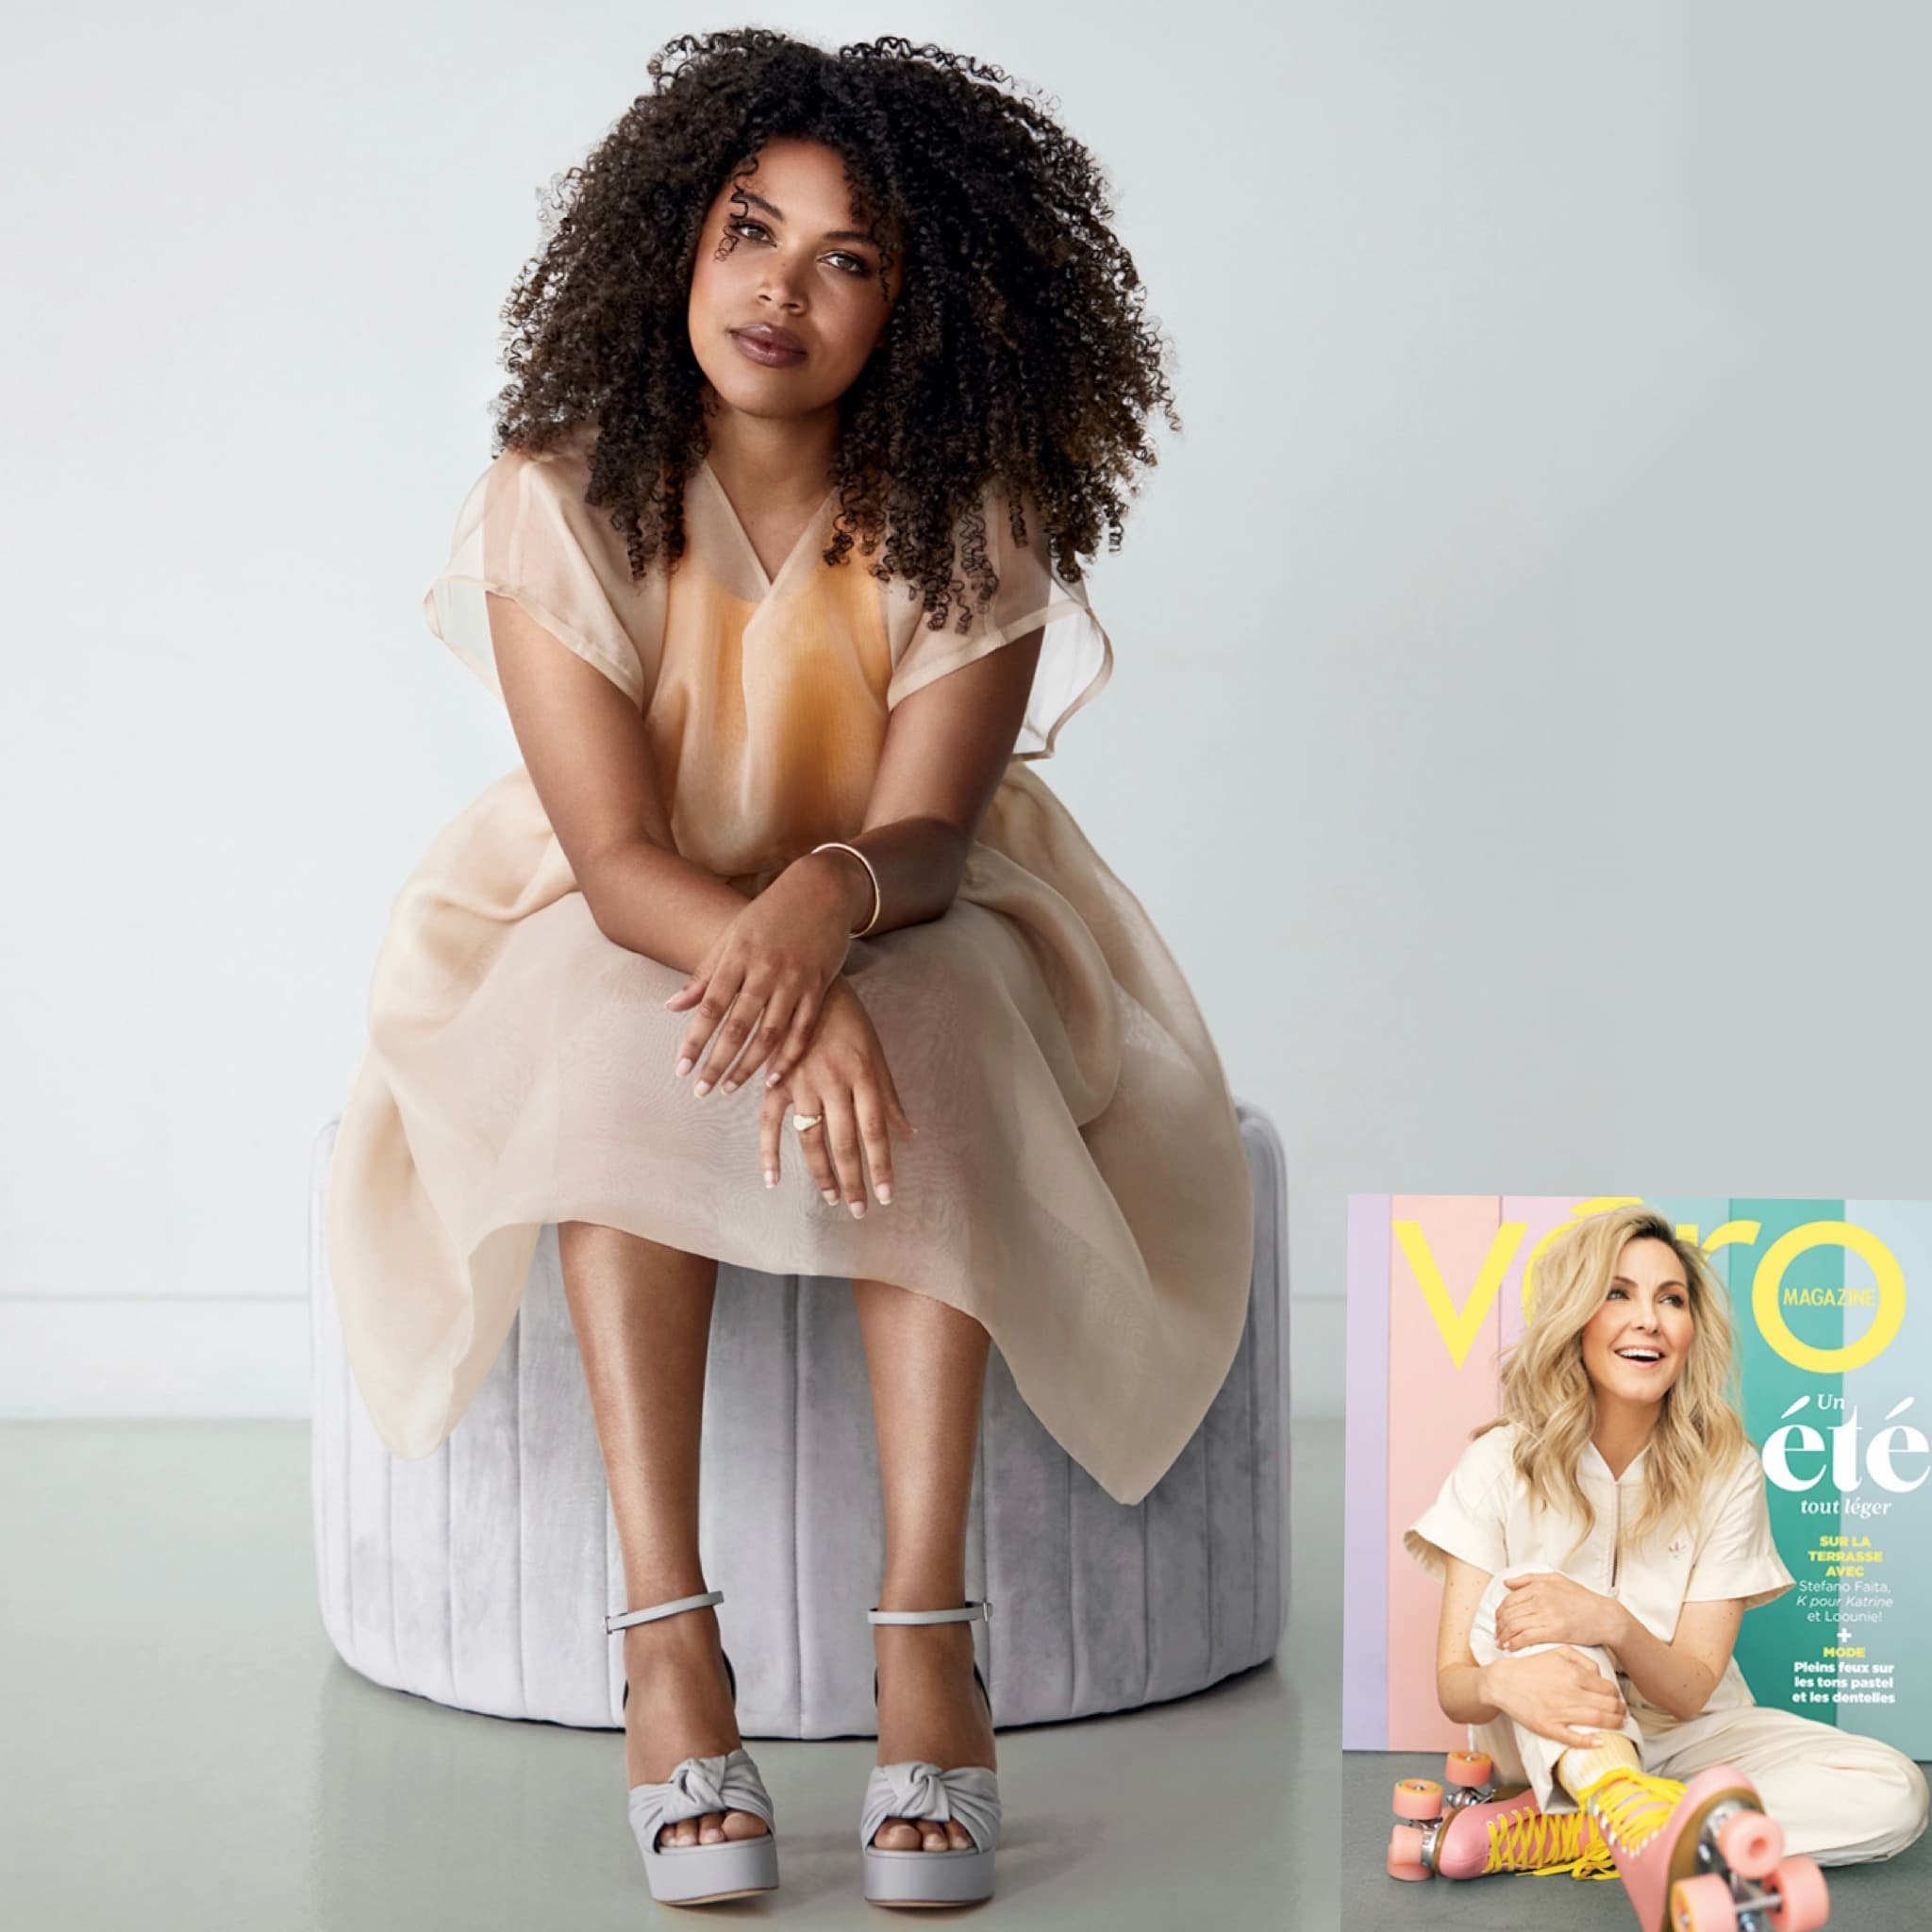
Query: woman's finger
x,y
842,1136
699,976
811,1143
719,993
772,1111
773,1023
739,1024
869,1109
803,1019
690,991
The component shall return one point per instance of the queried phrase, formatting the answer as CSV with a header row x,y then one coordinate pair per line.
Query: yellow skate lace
x,y
1548,1844
1630,1807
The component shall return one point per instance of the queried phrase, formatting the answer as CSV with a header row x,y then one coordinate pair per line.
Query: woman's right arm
x,y
1458,1676
588,756
1558,1694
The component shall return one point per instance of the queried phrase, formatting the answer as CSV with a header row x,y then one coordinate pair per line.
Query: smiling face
x,y
1634,1345
781,252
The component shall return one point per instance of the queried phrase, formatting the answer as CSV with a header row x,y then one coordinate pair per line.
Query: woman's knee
x,y
1884,1792
1904,1806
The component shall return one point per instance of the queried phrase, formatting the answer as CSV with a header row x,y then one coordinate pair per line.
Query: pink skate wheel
x,y
1751,1843
1703,1904
1419,1798
1803,1904
1468,1769
1405,1853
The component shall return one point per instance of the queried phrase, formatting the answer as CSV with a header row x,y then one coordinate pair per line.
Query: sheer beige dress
x,y
1078,1183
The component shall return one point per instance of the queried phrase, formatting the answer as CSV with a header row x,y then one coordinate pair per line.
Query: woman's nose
x,y
781,285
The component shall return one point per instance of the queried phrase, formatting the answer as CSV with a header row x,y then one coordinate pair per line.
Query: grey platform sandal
x,y
699,1874
916,1789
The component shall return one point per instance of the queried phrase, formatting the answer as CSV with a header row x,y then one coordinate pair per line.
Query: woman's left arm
x,y
1679,1676
947,749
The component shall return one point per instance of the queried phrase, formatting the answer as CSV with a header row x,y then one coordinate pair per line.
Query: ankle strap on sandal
x,y
704,1600
966,1613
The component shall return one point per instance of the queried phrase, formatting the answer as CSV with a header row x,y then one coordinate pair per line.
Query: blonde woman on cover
x,y
1598,1544
774,949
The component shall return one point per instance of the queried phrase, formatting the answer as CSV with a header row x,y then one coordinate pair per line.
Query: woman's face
x,y
797,266
1636,1345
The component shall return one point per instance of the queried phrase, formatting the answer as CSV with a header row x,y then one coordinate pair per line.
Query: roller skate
x,y
1467,1827
1701,1857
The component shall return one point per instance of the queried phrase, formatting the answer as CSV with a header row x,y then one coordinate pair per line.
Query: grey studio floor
x,y
1889,1896
181,1747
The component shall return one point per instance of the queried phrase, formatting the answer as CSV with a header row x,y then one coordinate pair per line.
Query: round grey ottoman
x,y
480,1575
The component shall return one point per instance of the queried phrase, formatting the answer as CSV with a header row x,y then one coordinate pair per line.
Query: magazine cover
x,y
1832,1364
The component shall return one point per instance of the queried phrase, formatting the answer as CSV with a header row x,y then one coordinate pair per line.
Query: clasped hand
x,y
768,970
772,978
1549,1608
1559,1694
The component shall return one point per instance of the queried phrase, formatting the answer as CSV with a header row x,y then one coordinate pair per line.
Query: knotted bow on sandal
x,y
699,1874
916,1789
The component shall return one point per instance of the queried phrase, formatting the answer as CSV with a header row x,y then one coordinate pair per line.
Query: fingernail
x,y
772,1078
729,1087
684,1067
831,1195
702,1087
885,1193
771,1178
858,1210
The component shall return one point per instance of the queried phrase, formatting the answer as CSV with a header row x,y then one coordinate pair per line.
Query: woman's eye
x,y
1616,1294
759,232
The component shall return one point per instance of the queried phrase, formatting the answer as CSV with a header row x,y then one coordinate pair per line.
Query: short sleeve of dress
x,y
1468,1517
1075,653
526,532
1736,1555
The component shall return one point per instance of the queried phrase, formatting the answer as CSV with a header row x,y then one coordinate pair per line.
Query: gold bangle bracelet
x,y
877,897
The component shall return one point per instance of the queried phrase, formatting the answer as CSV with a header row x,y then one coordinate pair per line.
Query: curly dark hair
x,y
1017,355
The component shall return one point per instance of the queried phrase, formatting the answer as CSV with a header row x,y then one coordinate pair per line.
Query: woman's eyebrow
x,y
1624,1281
779,214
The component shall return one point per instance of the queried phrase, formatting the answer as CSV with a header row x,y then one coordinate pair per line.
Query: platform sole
x,y
927,1878
702,1874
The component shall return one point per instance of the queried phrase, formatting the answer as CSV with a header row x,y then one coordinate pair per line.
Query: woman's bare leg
x,y
928,1366
642,1317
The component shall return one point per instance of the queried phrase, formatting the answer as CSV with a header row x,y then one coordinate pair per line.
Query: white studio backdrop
x,y
1517,728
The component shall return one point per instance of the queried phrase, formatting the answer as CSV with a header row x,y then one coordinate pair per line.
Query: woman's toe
x,y
960,1837
740,1825
711,1828
895,1835
934,1839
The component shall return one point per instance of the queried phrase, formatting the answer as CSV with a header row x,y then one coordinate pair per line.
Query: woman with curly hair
x,y
828,377
1599,1543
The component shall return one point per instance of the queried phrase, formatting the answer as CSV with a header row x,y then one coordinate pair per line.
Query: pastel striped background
x,y
1412,1407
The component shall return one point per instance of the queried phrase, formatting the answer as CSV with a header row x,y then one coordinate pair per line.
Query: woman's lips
x,y
768,355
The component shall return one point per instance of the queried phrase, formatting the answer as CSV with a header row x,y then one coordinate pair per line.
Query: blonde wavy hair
x,y
1547,1393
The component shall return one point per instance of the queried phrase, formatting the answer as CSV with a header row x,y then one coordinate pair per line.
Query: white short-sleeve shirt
x,y
1487,1515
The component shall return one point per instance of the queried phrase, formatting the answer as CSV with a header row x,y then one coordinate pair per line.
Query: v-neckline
x,y
767,580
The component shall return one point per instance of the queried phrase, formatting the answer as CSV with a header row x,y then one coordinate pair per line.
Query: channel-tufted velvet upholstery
x,y
480,1577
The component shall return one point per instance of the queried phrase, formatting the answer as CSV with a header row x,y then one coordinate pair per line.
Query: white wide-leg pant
x,y
1839,1798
